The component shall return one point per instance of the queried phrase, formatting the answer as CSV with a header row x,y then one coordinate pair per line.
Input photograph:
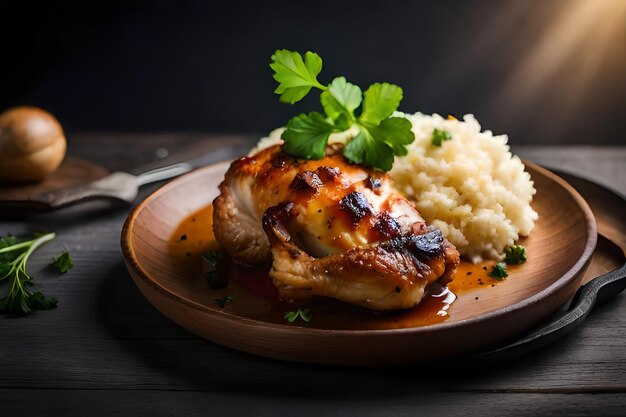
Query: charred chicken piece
x,y
330,229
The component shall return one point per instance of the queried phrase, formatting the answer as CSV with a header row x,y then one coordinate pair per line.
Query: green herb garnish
x,y
499,271
14,254
225,300
439,136
213,257
304,314
213,277
63,262
380,136
515,255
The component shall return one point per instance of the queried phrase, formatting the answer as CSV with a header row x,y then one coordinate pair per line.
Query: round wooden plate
x,y
559,248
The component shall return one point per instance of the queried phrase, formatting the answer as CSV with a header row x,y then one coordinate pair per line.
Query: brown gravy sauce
x,y
257,298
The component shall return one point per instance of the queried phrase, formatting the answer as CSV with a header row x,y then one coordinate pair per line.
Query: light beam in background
x,y
585,35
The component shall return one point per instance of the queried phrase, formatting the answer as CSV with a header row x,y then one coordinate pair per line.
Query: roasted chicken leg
x,y
330,229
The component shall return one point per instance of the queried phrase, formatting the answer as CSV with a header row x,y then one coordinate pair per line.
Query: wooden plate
x,y
559,249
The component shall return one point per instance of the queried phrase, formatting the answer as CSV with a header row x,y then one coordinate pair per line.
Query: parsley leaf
x,y
38,301
381,100
225,300
395,132
341,98
439,136
367,150
381,137
296,76
306,136
213,257
13,257
215,274
499,271
515,255
63,262
304,314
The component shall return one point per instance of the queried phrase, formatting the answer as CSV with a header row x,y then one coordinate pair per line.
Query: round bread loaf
x,y
32,144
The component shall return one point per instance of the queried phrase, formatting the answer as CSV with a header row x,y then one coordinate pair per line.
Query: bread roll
x,y
32,144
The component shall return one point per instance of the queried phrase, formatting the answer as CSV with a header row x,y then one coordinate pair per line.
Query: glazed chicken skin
x,y
330,228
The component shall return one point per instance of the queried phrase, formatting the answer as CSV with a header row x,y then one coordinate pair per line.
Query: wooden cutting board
x,y
72,172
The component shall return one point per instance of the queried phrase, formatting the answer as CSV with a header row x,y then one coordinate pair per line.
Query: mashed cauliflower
x,y
472,187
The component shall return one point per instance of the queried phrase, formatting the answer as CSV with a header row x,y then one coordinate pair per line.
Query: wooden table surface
x,y
106,351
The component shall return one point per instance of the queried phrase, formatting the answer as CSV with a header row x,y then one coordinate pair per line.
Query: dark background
x,y
545,72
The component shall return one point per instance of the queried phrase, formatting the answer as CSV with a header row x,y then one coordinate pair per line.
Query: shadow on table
x,y
183,361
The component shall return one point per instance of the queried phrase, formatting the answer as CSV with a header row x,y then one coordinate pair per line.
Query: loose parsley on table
x,y
63,262
304,314
515,255
380,136
499,271
14,254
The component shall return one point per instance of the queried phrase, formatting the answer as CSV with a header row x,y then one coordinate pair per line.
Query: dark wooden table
x,y
106,351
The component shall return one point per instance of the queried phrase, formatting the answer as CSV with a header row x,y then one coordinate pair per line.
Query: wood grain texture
x,y
73,172
125,403
106,351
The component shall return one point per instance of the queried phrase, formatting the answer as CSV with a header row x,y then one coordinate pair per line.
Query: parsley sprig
x,y
63,262
380,136
225,300
515,255
439,136
305,314
14,254
214,277
498,271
